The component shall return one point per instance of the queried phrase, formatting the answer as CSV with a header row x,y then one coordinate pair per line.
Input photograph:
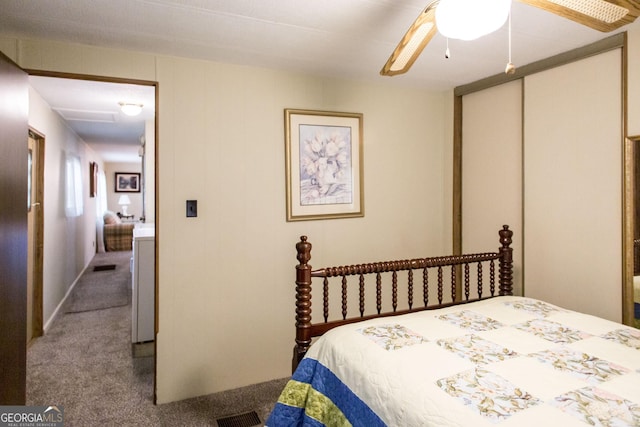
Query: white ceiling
x,y
349,39
92,110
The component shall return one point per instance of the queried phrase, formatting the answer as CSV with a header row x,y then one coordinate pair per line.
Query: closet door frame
x,y
617,41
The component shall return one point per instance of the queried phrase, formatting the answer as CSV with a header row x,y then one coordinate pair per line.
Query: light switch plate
x,y
192,208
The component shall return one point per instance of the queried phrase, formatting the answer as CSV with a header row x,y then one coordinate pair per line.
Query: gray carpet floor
x,y
84,363
97,290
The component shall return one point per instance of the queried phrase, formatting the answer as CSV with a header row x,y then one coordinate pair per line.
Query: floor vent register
x,y
249,419
104,267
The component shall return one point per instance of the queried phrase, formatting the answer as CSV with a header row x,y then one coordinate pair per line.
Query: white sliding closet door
x,y
492,170
573,185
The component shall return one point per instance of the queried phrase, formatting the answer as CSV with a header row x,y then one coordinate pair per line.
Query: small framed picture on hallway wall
x,y
127,182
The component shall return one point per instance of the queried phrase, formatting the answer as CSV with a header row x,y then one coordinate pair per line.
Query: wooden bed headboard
x,y
460,293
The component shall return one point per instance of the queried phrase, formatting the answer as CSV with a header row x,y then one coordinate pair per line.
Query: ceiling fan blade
x,y
416,38
601,15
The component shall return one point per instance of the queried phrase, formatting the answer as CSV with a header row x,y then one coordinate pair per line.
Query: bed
x,y
468,354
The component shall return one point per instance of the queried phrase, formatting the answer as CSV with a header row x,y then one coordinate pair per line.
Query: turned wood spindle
x,y
303,300
506,261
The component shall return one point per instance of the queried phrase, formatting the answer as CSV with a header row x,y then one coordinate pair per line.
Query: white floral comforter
x,y
507,361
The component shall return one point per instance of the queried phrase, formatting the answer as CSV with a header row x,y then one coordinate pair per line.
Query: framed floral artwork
x,y
323,158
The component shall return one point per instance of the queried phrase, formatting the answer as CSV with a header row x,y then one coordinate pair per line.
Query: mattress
x,y
507,361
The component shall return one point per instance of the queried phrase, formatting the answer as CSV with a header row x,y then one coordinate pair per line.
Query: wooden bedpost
x,y
506,261
303,301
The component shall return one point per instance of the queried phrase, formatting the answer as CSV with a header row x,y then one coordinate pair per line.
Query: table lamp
x,y
124,201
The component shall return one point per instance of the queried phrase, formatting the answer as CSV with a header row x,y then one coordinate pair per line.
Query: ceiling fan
x,y
602,15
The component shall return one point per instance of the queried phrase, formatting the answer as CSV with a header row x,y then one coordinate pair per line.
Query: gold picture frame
x,y
323,162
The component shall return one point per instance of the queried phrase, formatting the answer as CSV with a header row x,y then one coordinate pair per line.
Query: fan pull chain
x,y
510,69
447,54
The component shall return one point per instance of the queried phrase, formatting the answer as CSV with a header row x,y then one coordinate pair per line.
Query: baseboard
x,y
49,322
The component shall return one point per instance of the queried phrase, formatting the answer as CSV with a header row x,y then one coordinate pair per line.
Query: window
x,y
73,187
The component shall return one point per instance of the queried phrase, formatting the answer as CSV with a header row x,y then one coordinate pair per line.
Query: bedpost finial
x,y
304,250
505,236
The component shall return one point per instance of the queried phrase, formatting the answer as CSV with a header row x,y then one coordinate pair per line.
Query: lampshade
x,y
124,200
470,19
130,109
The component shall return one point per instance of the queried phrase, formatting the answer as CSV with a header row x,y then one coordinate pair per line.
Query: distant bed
x,y
475,356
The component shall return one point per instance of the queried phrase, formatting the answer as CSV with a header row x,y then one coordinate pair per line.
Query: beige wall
x,y
226,312
74,237
227,276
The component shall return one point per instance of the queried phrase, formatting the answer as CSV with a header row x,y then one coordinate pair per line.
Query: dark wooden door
x,y
14,112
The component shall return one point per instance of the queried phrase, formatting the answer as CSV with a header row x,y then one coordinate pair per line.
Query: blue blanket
x,y
316,397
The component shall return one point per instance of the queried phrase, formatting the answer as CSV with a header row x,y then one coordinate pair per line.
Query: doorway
x,y
35,231
101,128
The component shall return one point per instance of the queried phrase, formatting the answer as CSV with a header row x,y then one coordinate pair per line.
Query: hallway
x,y
84,364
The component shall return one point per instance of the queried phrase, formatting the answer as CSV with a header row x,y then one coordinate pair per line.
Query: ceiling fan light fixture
x,y
130,109
471,19
457,19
